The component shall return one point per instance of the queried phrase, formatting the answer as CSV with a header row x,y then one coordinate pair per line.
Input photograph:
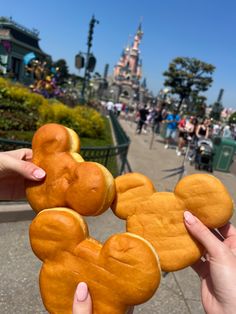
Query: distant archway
x,y
125,93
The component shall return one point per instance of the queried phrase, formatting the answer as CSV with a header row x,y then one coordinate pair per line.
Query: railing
x,y
112,157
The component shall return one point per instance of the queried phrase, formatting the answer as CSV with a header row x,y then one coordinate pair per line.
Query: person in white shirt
x,y
110,107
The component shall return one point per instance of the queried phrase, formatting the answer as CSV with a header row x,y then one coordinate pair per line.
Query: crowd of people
x,y
177,129
174,127
180,129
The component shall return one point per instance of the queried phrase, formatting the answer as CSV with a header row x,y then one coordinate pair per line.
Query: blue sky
x,y
204,29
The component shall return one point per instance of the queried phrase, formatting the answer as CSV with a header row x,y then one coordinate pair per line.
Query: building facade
x,y
16,41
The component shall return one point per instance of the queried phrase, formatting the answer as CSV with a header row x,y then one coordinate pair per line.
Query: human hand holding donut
x,y
15,168
218,271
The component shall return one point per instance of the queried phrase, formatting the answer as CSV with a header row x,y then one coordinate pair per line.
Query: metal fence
x,y
113,158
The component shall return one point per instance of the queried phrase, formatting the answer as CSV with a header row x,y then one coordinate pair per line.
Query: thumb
x,y
26,169
82,300
201,233
30,171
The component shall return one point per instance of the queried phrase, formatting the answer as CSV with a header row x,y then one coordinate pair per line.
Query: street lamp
x,y
90,60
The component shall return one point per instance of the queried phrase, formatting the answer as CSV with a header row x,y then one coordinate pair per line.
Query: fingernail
x,y
189,218
39,173
82,292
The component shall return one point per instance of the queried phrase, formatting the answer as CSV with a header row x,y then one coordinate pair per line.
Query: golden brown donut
x,y
122,272
159,216
86,187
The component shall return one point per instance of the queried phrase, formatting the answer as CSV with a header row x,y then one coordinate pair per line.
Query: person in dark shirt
x,y
143,112
202,130
157,119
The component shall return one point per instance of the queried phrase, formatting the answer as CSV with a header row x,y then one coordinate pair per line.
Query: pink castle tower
x,y
128,71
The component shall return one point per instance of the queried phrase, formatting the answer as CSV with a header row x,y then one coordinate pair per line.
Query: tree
x,y
197,105
187,76
232,118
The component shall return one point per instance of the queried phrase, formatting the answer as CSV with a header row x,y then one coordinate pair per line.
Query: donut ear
x,y
207,198
134,262
54,230
131,189
52,138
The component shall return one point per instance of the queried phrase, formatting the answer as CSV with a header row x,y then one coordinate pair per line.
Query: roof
x,y
12,31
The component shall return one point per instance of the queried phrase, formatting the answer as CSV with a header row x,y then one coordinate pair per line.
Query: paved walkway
x,y
178,292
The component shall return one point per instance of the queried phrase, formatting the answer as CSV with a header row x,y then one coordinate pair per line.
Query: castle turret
x,y
129,61
128,71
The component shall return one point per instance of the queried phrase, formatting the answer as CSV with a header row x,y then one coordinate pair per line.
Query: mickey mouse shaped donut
x,y
86,187
158,216
122,272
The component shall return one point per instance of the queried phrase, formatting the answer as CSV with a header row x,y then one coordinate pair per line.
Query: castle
x,y
125,85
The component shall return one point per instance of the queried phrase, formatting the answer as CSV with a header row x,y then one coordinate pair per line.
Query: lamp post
x,y
90,59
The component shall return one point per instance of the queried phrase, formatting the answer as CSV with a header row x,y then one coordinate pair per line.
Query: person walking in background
x,y
216,128
126,110
143,113
110,107
181,136
172,121
186,133
227,132
157,119
118,107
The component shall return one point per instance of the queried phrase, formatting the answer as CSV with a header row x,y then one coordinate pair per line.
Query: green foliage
x,y
21,110
232,118
197,105
187,76
105,140
14,116
25,136
83,120
18,107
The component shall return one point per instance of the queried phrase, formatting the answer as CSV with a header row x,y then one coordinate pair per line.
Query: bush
x,y
20,94
18,107
232,118
83,120
22,110
17,116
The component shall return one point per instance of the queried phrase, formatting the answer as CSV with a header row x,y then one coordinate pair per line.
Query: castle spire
x,y
129,66
139,30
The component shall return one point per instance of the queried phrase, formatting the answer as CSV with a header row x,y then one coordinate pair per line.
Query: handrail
x,y
112,157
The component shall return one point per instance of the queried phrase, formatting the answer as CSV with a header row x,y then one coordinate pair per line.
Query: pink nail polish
x,y
189,218
82,292
39,173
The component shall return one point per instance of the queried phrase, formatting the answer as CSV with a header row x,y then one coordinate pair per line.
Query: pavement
x,y
179,292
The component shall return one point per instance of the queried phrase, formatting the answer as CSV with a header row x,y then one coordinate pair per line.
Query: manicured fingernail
x,y
189,218
82,292
39,173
